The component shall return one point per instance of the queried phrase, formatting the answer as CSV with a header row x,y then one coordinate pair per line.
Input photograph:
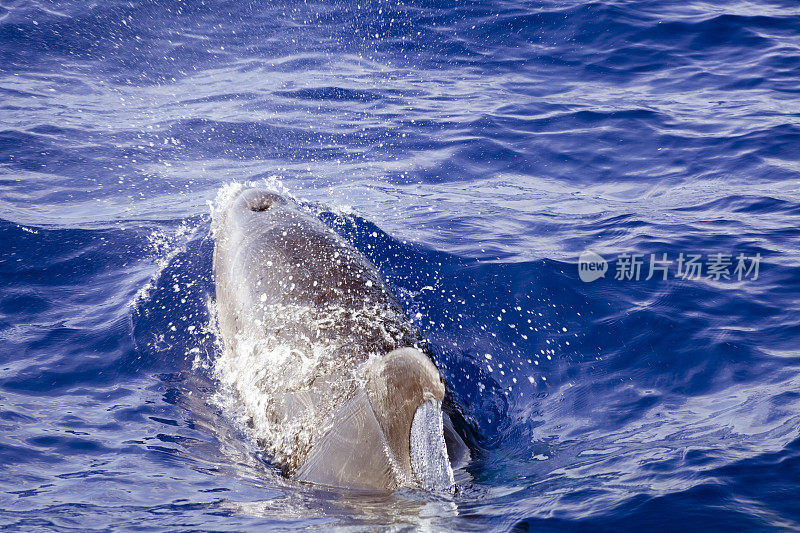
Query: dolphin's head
x,y
248,213
256,207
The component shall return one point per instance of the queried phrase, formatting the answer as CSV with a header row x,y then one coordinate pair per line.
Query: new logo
x,y
591,266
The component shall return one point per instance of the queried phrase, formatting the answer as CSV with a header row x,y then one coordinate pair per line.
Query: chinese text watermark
x,y
684,266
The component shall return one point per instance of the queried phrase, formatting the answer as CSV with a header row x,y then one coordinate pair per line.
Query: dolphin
x,y
331,373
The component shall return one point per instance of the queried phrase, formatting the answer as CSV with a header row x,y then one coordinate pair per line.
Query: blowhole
x,y
259,205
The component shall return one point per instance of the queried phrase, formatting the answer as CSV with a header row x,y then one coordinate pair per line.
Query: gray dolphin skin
x,y
321,354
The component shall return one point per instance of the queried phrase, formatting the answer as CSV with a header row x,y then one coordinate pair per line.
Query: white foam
x,y
164,246
428,450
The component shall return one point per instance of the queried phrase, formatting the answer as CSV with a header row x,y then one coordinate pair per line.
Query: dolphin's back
x,y
300,312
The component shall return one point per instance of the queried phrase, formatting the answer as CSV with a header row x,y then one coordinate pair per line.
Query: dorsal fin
x,y
354,453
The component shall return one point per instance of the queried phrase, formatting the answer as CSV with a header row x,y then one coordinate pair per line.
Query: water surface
x,y
472,151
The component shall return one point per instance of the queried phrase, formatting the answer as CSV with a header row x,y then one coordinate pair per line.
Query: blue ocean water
x,y
473,150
